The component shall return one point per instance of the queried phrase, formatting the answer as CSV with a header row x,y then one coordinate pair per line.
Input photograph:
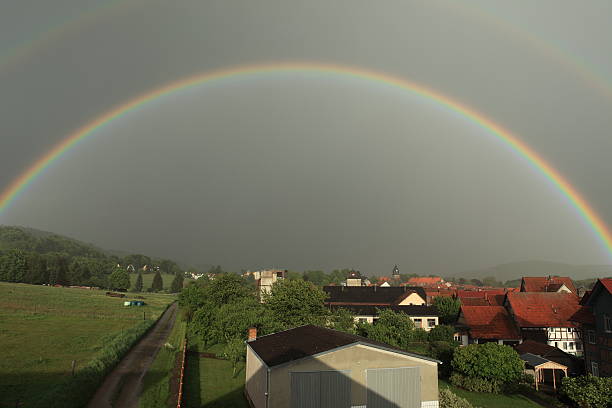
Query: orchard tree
x,y
138,284
119,279
588,391
158,283
441,333
177,282
295,303
235,352
343,320
448,308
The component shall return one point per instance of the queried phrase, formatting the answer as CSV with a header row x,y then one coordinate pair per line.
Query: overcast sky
x,y
304,170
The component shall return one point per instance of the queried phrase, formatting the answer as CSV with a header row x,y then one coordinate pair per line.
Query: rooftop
x,y
305,341
543,309
370,295
546,283
492,322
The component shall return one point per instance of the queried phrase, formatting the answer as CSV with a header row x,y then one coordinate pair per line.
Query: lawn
x,y
43,329
485,400
209,382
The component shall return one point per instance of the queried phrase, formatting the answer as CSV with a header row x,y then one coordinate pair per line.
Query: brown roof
x,y
490,322
543,309
304,341
546,283
539,349
368,295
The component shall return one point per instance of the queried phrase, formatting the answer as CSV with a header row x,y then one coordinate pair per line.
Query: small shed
x,y
536,366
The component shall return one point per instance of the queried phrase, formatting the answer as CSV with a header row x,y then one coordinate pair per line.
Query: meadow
x,y
147,279
44,329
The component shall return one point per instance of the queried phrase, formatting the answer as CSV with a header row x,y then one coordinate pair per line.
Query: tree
x,y
235,352
295,303
168,266
58,269
448,308
392,328
588,391
225,288
119,280
193,297
492,363
138,284
13,266
441,333
158,283
342,319
233,319
177,282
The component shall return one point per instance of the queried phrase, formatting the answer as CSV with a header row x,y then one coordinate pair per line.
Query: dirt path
x,y
122,387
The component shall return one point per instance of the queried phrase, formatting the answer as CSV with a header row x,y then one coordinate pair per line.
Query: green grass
x,y
209,382
147,279
156,385
42,329
485,400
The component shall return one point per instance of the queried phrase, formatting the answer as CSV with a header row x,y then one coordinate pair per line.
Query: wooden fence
x,y
181,377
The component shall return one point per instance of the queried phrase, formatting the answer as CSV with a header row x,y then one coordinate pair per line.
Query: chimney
x,y
252,333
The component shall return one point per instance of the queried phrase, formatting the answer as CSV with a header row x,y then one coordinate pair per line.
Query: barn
x,y
311,366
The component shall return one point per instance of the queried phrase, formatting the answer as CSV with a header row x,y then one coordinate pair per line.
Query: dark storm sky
x,y
306,170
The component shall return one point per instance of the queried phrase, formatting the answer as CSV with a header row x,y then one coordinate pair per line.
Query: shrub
x,y
588,391
499,365
448,399
441,333
475,384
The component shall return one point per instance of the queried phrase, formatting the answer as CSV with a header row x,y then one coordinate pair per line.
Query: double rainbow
x,y
575,198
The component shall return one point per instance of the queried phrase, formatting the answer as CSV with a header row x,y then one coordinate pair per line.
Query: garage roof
x,y
305,341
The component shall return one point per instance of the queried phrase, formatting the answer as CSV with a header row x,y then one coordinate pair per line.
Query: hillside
x,y
516,270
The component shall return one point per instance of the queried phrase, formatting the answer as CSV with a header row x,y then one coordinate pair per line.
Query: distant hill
x,y
516,270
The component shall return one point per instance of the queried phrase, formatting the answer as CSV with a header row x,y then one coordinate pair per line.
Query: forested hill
x,y
42,242
39,257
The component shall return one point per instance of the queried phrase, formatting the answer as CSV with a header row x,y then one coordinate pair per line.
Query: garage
x,y
316,367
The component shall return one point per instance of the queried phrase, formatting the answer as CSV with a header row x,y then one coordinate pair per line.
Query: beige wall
x,y
412,299
357,359
256,379
424,325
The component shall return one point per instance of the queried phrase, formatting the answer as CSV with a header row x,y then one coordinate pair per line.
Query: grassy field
x,y
485,400
147,279
156,385
209,382
43,329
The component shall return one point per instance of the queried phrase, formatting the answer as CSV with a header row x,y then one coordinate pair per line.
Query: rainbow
x,y
580,204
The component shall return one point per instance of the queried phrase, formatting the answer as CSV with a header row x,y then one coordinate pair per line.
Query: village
x,y
556,331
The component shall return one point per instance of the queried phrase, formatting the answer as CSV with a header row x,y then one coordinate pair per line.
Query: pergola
x,y
539,364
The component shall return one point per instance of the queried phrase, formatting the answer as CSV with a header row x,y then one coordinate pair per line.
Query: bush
x,y
476,384
441,333
588,391
448,399
499,365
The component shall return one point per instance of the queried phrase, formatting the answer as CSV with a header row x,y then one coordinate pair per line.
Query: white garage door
x,y
394,387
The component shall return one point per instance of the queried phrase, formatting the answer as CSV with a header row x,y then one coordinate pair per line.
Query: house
x,y
488,297
480,324
545,317
354,279
548,284
365,301
266,278
312,366
595,320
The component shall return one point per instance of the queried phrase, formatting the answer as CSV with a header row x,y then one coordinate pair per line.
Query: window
x,y
565,345
578,345
595,369
591,336
418,323
570,345
556,344
431,322
607,323
569,329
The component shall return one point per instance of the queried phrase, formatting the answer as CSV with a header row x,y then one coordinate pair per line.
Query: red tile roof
x,y
607,283
546,284
420,280
492,322
543,309
584,315
474,301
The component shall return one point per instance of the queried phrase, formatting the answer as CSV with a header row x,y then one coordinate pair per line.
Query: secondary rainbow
x,y
575,198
